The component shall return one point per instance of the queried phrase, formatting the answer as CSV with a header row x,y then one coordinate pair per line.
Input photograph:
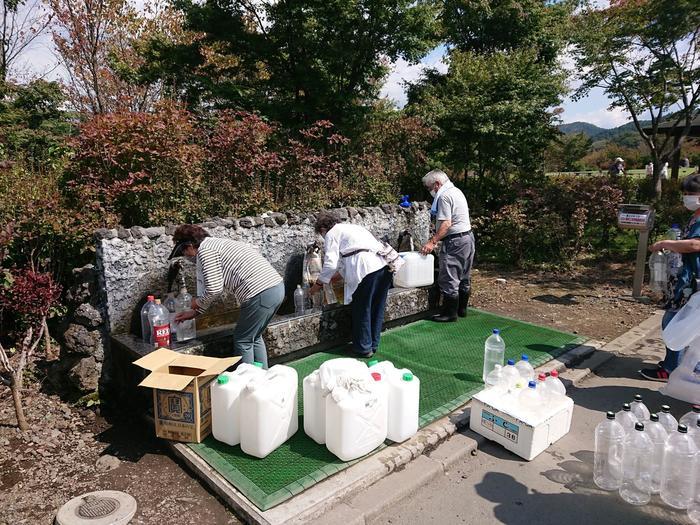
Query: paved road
x,y
556,487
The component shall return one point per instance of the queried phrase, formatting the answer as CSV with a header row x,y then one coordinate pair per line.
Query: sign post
x,y
637,217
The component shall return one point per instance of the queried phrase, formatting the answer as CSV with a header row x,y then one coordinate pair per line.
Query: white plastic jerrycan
x,y
418,270
404,393
317,385
682,332
356,417
225,402
269,413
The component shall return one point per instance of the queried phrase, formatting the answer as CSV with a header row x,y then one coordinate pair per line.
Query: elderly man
x,y
453,228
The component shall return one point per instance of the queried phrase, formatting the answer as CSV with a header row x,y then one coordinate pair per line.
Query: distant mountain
x,y
597,133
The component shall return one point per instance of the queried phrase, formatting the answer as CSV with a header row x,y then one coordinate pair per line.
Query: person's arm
x,y
213,275
684,246
439,235
331,258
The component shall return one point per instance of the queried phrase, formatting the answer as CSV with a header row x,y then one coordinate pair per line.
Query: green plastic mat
x,y
448,359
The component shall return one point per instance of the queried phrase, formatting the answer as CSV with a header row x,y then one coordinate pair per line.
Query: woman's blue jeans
x,y
673,358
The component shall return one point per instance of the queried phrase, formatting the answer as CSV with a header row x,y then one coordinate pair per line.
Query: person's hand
x,y
337,277
194,304
428,247
315,288
658,246
185,316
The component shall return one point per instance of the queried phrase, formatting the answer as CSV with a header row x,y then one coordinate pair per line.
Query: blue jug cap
x,y
532,384
525,357
496,331
511,362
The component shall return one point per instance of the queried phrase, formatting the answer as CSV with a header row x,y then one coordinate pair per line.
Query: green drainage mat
x,y
448,359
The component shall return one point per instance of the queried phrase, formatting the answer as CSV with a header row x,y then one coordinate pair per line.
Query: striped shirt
x,y
235,266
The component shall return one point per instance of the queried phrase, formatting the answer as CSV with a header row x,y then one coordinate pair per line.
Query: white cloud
x,y
403,71
603,117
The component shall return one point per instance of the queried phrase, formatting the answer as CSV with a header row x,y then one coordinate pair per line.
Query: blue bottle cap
x,y
675,226
532,384
496,331
524,357
511,362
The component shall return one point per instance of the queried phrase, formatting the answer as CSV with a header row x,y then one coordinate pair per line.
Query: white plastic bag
x,y
684,381
684,328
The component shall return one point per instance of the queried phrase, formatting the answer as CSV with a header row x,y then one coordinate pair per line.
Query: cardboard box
x,y
181,398
493,416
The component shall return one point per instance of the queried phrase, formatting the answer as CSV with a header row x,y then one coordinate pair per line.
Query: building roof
x,y
667,126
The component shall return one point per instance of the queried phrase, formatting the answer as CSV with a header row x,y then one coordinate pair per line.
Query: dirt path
x,y
72,451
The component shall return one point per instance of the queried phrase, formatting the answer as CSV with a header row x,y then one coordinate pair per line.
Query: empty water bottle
x,y
494,352
607,458
694,507
530,399
691,419
639,409
658,435
675,260
554,384
511,376
525,368
626,418
679,469
636,467
299,301
667,420
658,271
146,332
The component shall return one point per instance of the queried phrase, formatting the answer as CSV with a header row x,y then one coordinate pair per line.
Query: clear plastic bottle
x,y
636,467
658,435
146,334
159,318
694,507
658,271
607,458
669,422
525,368
494,352
554,384
691,418
299,301
679,469
530,399
495,378
186,330
626,418
542,386
639,409
510,375
675,260
695,434
171,304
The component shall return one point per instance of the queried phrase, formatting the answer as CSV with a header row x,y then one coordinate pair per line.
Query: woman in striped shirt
x,y
225,264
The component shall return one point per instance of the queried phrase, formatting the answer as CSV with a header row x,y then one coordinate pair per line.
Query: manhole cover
x,y
105,507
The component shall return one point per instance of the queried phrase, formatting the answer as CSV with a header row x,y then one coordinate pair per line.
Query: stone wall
x,y
133,263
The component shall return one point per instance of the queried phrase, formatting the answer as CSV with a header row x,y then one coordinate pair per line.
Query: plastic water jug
x,y
494,352
159,319
418,270
607,458
511,375
658,435
675,260
658,271
299,301
356,417
684,381
554,384
495,379
225,402
317,385
171,304
694,507
269,412
525,368
626,418
682,331
679,469
145,322
667,420
186,330
636,467
639,409
530,400
404,394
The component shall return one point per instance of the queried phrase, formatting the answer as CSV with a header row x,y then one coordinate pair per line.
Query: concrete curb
x,y
343,498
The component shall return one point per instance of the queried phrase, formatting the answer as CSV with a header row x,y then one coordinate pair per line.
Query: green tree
x,y
296,61
492,110
566,151
644,54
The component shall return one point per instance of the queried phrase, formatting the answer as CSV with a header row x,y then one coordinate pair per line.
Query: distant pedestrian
x,y
664,171
452,227
650,170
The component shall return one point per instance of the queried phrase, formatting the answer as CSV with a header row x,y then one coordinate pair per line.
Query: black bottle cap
x,y
682,429
665,408
639,426
654,417
611,415
626,407
638,397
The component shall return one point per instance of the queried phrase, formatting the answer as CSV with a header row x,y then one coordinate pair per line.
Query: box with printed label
x,y
495,416
181,396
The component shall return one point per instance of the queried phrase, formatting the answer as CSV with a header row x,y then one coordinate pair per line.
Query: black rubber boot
x,y
449,310
463,303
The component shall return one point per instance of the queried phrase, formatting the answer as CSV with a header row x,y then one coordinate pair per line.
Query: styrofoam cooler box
x,y
526,435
